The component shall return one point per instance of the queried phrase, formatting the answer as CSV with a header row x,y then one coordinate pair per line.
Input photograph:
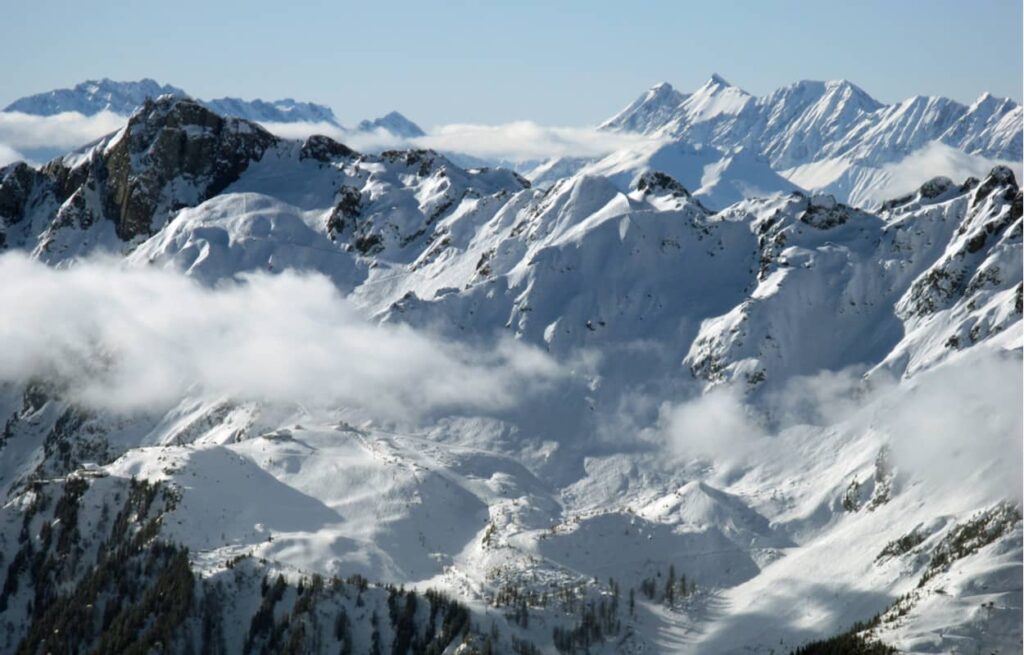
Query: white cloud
x,y
717,426
960,419
518,141
9,155
68,130
525,140
135,339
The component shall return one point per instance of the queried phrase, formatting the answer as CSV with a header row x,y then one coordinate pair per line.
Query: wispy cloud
x,y
120,340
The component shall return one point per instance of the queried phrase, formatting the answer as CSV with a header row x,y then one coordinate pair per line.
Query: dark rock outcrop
x,y
658,182
174,140
325,149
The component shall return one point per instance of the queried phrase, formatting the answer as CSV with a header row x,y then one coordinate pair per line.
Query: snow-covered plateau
x,y
272,395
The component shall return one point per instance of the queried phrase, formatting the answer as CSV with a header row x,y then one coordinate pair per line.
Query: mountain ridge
x,y
726,400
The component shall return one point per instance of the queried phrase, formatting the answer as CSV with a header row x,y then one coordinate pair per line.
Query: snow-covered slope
x,y
731,431
716,178
546,173
649,112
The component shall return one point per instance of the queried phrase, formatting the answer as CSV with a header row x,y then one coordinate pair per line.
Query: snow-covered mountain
x,y
392,122
740,430
93,96
277,111
828,136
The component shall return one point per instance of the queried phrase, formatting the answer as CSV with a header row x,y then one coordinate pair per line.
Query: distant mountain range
x,y
720,142
93,96
829,136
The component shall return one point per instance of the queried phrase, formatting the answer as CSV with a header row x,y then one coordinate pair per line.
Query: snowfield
x,y
669,403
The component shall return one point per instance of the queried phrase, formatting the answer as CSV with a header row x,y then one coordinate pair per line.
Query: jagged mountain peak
x,y
716,84
717,80
833,135
988,102
1002,175
658,182
716,98
393,122
648,112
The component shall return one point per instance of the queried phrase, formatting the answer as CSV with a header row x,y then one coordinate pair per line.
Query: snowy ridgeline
x,y
395,404
832,136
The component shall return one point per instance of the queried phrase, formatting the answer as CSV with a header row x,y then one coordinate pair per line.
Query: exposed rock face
x,y
992,220
426,160
657,182
175,154
16,183
939,269
324,149
936,186
823,212
345,212
169,141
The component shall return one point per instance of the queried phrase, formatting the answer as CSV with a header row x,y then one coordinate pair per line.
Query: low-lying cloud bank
x,y
68,131
127,339
518,141
23,134
37,139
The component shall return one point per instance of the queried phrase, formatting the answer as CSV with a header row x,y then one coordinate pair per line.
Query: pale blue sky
x,y
558,63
